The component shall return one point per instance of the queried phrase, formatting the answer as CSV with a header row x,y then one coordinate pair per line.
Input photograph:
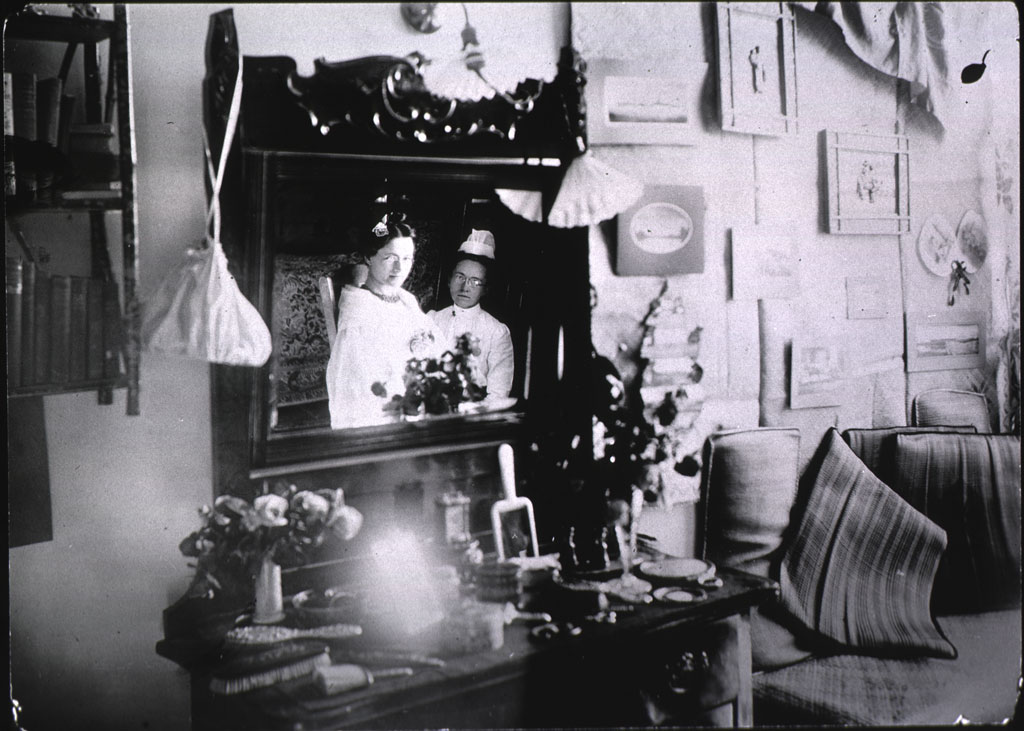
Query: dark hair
x,y
392,226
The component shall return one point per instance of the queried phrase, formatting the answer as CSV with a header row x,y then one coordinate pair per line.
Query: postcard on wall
x,y
662,233
757,68
868,178
945,340
765,263
866,298
816,374
633,103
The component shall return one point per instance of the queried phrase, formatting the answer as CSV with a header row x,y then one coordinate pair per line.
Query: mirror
x,y
320,230
515,530
295,197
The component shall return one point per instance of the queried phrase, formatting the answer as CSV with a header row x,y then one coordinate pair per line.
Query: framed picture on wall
x,y
765,264
816,374
943,341
634,103
662,233
868,178
757,68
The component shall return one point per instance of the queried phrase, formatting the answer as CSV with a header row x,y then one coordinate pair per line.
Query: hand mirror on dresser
x,y
315,161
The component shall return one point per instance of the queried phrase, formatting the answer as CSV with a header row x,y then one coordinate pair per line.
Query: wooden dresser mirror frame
x,y
284,195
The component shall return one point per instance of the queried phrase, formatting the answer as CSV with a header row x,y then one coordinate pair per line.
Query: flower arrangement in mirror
x,y
283,525
439,385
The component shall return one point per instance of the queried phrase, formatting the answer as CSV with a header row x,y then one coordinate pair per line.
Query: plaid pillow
x,y
970,485
860,568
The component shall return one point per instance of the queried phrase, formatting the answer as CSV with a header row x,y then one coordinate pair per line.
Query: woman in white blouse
x,y
380,327
468,284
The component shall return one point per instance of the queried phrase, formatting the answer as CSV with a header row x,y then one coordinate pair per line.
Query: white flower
x,y
271,509
346,522
313,505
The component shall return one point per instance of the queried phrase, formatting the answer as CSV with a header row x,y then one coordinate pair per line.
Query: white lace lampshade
x,y
451,78
524,203
591,192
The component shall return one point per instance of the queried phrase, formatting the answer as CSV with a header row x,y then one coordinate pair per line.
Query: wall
x,y
85,608
778,181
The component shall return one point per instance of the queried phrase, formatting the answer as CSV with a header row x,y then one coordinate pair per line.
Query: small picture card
x,y
662,233
943,341
765,264
816,374
632,102
866,298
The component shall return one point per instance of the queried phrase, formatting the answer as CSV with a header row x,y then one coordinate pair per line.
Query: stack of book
x,y
62,330
51,154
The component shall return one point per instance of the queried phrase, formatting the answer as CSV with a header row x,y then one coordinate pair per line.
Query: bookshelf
x,y
73,333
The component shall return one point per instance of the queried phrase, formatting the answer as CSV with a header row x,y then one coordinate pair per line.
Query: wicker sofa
x,y
898,554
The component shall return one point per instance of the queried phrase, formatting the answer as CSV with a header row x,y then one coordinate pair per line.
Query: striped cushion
x,y
867,444
949,406
861,690
860,568
970,485
748,488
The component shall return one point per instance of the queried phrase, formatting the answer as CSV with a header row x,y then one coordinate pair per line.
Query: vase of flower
x,y
269,600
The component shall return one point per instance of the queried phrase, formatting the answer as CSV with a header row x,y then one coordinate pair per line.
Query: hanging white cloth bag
x,y
198,311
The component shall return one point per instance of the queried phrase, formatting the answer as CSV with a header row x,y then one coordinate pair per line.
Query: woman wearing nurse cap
x,y
468,284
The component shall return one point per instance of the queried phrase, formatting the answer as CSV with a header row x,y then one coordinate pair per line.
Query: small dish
x,y
677,569
679,595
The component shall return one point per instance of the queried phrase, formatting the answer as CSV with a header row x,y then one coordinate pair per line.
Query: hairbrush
x,y
249,669
268,635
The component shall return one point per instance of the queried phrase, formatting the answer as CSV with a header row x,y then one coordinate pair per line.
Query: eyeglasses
x,y
459,278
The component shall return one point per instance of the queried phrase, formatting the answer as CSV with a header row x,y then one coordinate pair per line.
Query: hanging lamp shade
x,y
591,192
450,77
526,204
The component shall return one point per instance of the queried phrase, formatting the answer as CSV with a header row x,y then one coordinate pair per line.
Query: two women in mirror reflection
x,y
380,327
468,284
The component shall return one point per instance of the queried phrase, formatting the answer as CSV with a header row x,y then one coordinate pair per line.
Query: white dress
x,y
375,341
496,359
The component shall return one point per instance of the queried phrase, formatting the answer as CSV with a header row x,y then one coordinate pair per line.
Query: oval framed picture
x,y
971,242
935,244
662,233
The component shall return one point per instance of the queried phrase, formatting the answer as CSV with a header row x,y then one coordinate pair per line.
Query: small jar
x,y
453,520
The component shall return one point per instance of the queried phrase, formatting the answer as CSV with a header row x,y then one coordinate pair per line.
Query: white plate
x,y
971,242
935,244
678,595
677,569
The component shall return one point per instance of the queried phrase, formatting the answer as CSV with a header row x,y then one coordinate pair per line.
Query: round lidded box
x,y
497,582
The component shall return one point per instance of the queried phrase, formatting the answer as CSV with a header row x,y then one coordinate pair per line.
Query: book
x,y
13,274
92,191
60,327
67,113
10,175
112,332
28,322
48,93
79,330
41,329
23,103
94,328
8,103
